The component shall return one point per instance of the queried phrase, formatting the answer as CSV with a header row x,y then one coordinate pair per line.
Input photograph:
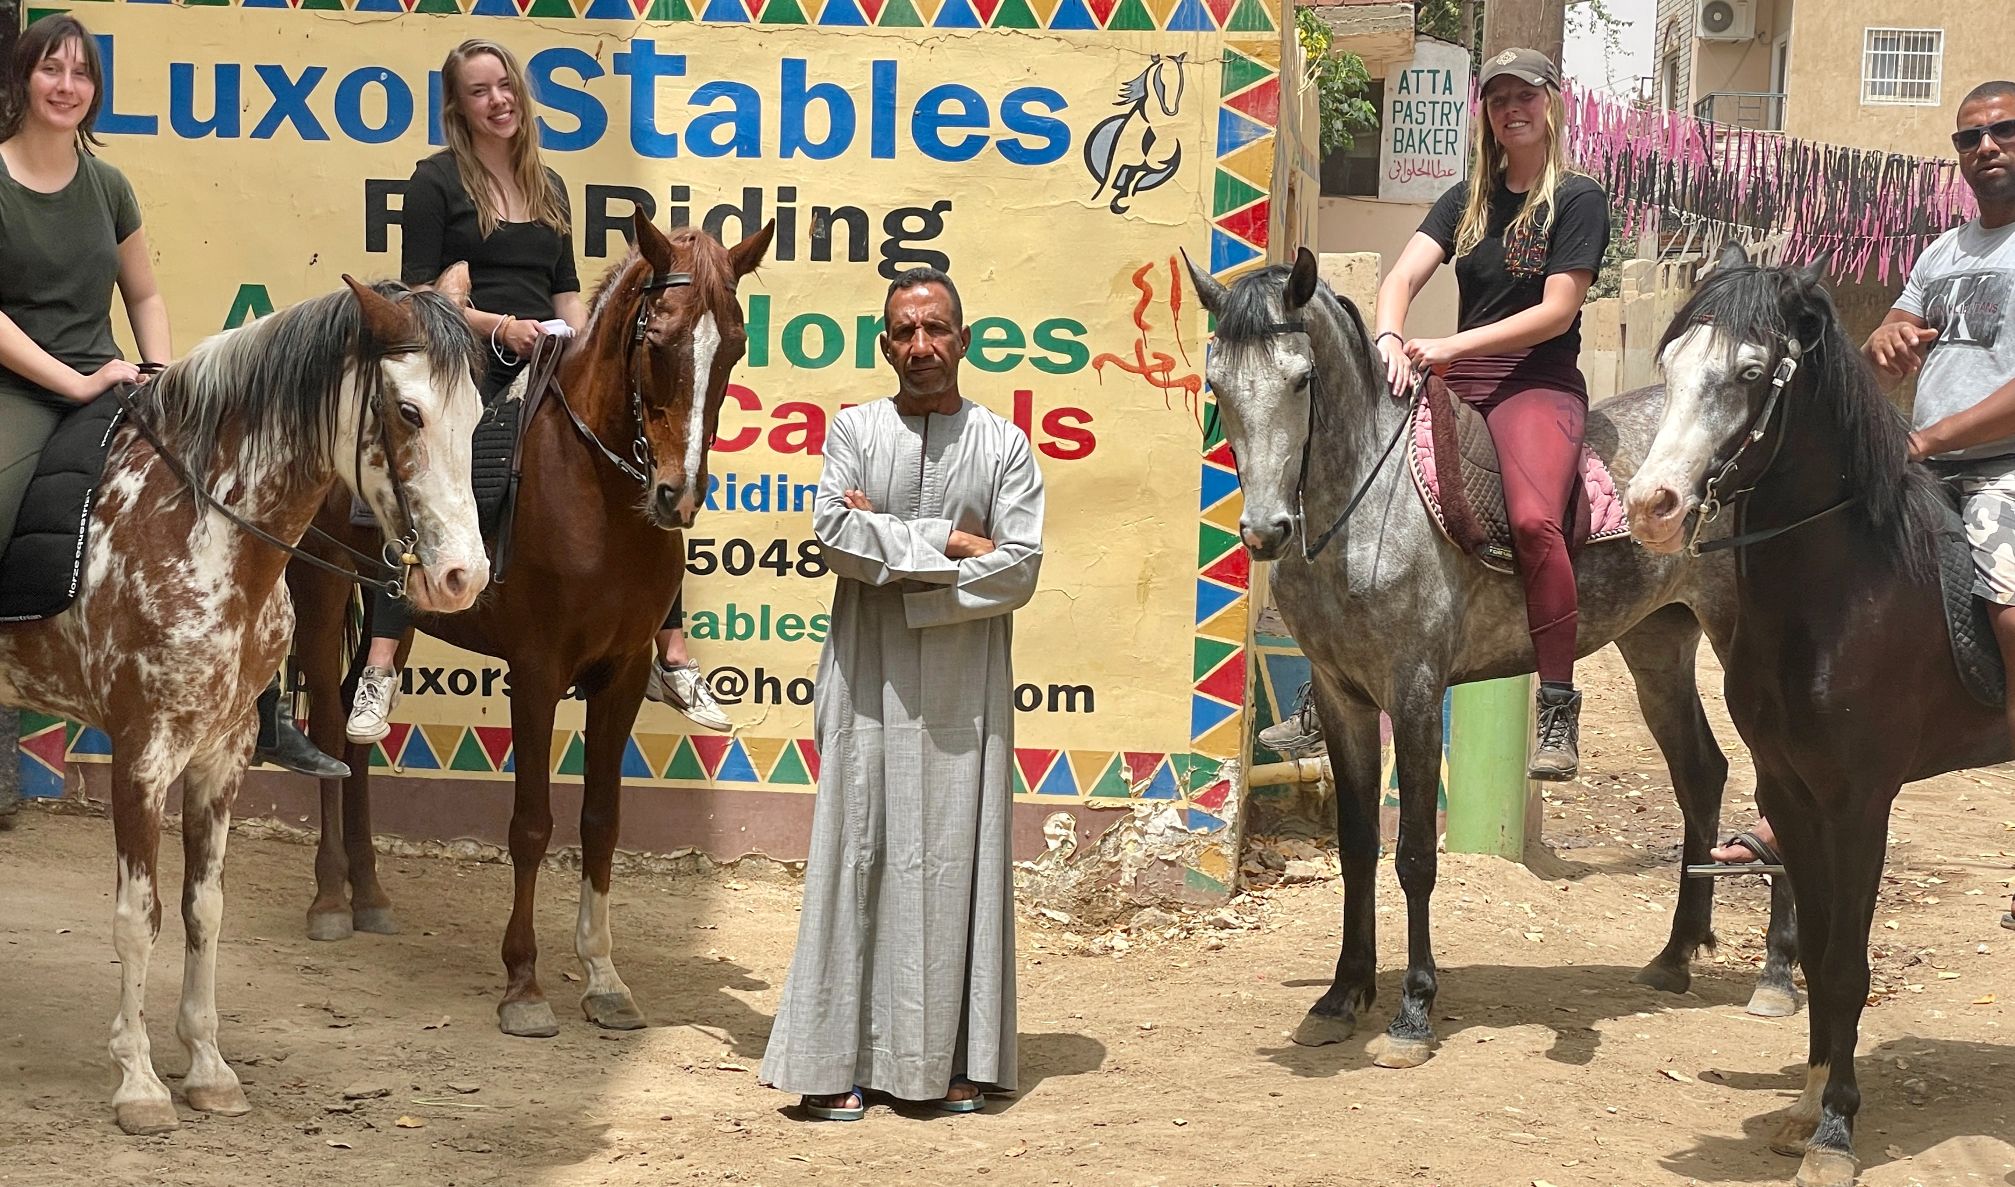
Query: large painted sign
x,y
1054,155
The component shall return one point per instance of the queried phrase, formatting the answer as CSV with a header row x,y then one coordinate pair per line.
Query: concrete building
x,y
1864,73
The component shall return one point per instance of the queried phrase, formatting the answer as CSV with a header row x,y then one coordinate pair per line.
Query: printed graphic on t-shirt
x,y
1967,309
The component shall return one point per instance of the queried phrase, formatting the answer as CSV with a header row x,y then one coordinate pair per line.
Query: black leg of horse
x,y
1352,730
1853,850
1660,654
1793,815
1776,995
1416,740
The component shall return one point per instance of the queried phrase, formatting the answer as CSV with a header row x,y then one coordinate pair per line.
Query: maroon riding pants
x,y
1536,407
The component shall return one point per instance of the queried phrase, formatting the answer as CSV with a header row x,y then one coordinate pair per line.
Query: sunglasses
x,y
1968,139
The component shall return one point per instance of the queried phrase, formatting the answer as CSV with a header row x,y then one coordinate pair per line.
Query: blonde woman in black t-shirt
x,y
488,200
1527,234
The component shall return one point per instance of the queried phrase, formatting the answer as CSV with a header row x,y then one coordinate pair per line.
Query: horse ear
x,y
748,255
1301,281
1208,290
1732,255
384,321
651,242
1815,272
452,284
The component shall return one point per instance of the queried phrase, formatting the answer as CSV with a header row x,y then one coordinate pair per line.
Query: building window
x,y
1353,172
1902,66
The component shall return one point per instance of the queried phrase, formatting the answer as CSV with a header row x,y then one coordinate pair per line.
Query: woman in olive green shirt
x,y
69,231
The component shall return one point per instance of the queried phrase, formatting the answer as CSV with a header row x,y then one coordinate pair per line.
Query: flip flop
x,y
838,1112
1772,861
2008,919
971,1104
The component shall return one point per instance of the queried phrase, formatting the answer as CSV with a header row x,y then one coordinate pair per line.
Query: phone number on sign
x,y
738,557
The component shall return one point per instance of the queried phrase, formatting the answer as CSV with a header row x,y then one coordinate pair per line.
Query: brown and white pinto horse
x,y
181,620
597,553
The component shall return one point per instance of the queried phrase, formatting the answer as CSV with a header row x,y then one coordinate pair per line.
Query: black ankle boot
x,y
1556,754
284,746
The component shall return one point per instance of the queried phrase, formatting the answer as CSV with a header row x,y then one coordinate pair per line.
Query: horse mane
x,y
1898,500
275,381
1254,303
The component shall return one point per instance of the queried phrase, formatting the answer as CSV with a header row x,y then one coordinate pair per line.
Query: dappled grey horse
x,y
1390,613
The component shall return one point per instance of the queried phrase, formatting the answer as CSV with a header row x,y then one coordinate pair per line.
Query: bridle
x,y
1715,498
642,459
1310,549
398,557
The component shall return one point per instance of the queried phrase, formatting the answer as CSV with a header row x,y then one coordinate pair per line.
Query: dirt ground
x,y
1164,1062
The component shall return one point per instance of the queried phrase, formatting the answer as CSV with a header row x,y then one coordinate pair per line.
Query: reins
x,y
399,556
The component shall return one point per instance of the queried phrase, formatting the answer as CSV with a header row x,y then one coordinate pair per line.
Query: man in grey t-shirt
x,y
1952,327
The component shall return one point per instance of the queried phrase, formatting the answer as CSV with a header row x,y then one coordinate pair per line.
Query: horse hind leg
x,y
606,1001
1661,653
209,790
141,1103
1352,730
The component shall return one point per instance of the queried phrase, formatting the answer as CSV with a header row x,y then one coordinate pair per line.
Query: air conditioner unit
x,y
1725,20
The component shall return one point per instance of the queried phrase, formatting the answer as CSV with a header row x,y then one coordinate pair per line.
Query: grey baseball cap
x,y
1527,64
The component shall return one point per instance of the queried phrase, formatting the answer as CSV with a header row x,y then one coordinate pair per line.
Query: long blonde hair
x,y
542,199
1487,163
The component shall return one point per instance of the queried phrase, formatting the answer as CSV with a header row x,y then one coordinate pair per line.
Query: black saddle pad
x,y
496,433
43,566
1974,650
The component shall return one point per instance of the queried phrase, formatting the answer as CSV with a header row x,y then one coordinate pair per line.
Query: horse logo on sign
x,y
1125,153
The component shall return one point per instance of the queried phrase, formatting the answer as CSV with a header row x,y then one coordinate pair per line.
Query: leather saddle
x,y
1974,649
1456,470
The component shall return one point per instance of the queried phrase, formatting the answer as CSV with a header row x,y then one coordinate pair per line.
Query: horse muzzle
x,y
448,586
672,508
1658,517
1267,541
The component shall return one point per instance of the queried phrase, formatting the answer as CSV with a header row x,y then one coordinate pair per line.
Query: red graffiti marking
x,y
1157,367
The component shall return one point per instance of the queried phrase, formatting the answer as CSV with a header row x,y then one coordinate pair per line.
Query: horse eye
x,y
1752,373
410,413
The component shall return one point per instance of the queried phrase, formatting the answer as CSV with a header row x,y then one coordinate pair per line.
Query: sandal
x,y
2008,919
969,1104
1772,862
840,1112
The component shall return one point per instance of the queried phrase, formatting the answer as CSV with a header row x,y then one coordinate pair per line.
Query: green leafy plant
x,y
1340,80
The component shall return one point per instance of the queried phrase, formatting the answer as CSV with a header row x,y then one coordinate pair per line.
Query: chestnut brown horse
x,y
1840,676
596,555
180,620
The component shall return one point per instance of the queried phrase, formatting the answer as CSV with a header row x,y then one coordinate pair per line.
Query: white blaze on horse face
x,y
1262,394
438,490
1707,397
706,344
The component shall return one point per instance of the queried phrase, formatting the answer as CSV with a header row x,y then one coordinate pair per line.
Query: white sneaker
x,y
370,715
685,689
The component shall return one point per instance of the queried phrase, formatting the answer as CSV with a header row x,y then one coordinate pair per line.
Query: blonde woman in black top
x,y
488,200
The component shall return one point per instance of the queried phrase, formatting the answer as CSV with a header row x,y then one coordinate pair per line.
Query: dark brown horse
x,y
597,553
1840,678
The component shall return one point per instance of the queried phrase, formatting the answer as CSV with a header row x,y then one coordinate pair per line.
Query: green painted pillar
x,y
1490,738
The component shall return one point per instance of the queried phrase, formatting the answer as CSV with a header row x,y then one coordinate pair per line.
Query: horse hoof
x,y
225,1101
1826,1168
612,1011
1398,1053
1664,978
141,1117
329,925
376,920
1320,1030
1771,1001
527,1020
